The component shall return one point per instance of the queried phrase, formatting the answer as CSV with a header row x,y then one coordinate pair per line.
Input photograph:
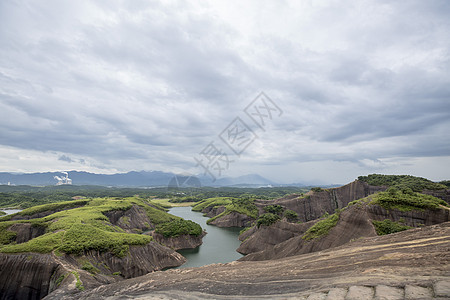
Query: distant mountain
x,y
249,180
132,179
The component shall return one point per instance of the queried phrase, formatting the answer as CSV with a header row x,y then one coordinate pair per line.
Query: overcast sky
x,y
114,86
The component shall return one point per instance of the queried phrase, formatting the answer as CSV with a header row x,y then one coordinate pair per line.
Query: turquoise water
x,y
219,245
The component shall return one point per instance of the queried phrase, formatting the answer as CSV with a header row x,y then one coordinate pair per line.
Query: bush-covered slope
x,y
417,184
74,227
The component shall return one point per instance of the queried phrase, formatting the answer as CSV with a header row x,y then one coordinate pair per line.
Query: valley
x,y
358,237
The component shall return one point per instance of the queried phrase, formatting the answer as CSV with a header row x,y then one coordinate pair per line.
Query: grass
x,y
79,283
76,230
83,226
417,184
165,203
322,227
52,207
212,202
179,227
87,266
387,227
61,279
406,200
267,219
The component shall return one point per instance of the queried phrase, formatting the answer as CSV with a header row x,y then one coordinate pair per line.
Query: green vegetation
x,y
61,279
322,227
117,274
417,184
79,283
87,266
52,207
446,183
290,215
2,213
212,202
81,225
28,196
6,236
267,219
244,206
274,209
317,189
406,200
179,227
387,227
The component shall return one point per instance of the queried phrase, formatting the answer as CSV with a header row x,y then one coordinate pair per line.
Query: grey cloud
x,y
65,158
111,81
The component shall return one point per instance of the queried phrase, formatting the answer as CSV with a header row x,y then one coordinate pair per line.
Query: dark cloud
x,y
139,85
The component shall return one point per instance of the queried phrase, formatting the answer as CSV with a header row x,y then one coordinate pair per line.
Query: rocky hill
x,y
412,264
88,242
378,214
243,213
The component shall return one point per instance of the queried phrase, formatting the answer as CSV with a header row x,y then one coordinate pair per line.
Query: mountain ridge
x,y
132,179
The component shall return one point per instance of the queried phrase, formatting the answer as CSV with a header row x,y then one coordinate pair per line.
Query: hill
x,y
95,241
412,264
130,179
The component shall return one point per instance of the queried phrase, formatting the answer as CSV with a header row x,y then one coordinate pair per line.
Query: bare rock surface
x,y
354,222
184,241
412,264
315,204
233,219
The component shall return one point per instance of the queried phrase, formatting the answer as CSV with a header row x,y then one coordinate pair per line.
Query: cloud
x,y
65,158
123,86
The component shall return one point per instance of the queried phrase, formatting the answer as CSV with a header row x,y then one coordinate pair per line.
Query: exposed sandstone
x,y
354,222
233,219
27,276
131,219
185,241
258,239
409,263
26,231
315,204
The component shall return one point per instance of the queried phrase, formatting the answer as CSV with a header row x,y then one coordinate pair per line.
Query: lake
x,y
219,245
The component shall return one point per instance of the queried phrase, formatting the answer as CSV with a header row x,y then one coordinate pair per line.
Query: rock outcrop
x,y
258,239
233,219
33,276
184,241
26,231
354,222
130,220
27,276
412,264
314,204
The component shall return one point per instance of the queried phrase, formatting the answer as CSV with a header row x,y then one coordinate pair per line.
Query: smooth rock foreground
x,y
413,264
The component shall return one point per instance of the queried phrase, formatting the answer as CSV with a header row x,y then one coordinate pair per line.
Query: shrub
x,y
267,219
274,209
79,284
87,266
290,215
417,184
321,228
317,189
179,227
387,227
394,198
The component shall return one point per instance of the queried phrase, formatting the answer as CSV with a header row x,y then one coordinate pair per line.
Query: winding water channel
x,y
219,245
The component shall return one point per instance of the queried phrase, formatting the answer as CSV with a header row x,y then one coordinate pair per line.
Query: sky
x,y
349,88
